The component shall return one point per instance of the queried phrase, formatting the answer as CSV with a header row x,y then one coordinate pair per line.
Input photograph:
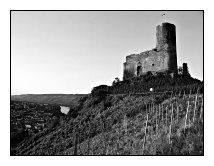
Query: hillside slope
x,y
125,125
58,99
160,83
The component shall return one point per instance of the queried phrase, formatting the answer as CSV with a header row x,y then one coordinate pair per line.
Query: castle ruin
x,y
163,58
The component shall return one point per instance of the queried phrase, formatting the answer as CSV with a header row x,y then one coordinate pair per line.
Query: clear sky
x,y
73,51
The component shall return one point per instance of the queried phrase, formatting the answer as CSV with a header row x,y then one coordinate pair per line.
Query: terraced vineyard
x,y
125,125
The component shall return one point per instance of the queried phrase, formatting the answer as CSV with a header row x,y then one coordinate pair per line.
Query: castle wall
x,y
149,60
185,69
156,61
161,59
166,40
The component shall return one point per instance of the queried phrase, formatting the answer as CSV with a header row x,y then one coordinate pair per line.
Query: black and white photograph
x,y
106,83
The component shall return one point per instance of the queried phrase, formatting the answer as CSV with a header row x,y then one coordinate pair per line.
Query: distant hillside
x,y
59,99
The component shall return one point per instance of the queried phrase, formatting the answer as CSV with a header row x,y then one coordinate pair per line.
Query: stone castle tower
x,y
163,58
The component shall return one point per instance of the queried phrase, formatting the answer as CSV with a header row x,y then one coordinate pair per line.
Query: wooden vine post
x,y
89,139
75,143
159,117
201,111
170,127
125,126
190,93
177,111
162,111
104,137
186,118
179,94
153,110
156,124
125,123
144,141
118,141
196,98
166,116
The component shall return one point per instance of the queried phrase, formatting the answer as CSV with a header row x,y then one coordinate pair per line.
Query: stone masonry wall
x,y
161,59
